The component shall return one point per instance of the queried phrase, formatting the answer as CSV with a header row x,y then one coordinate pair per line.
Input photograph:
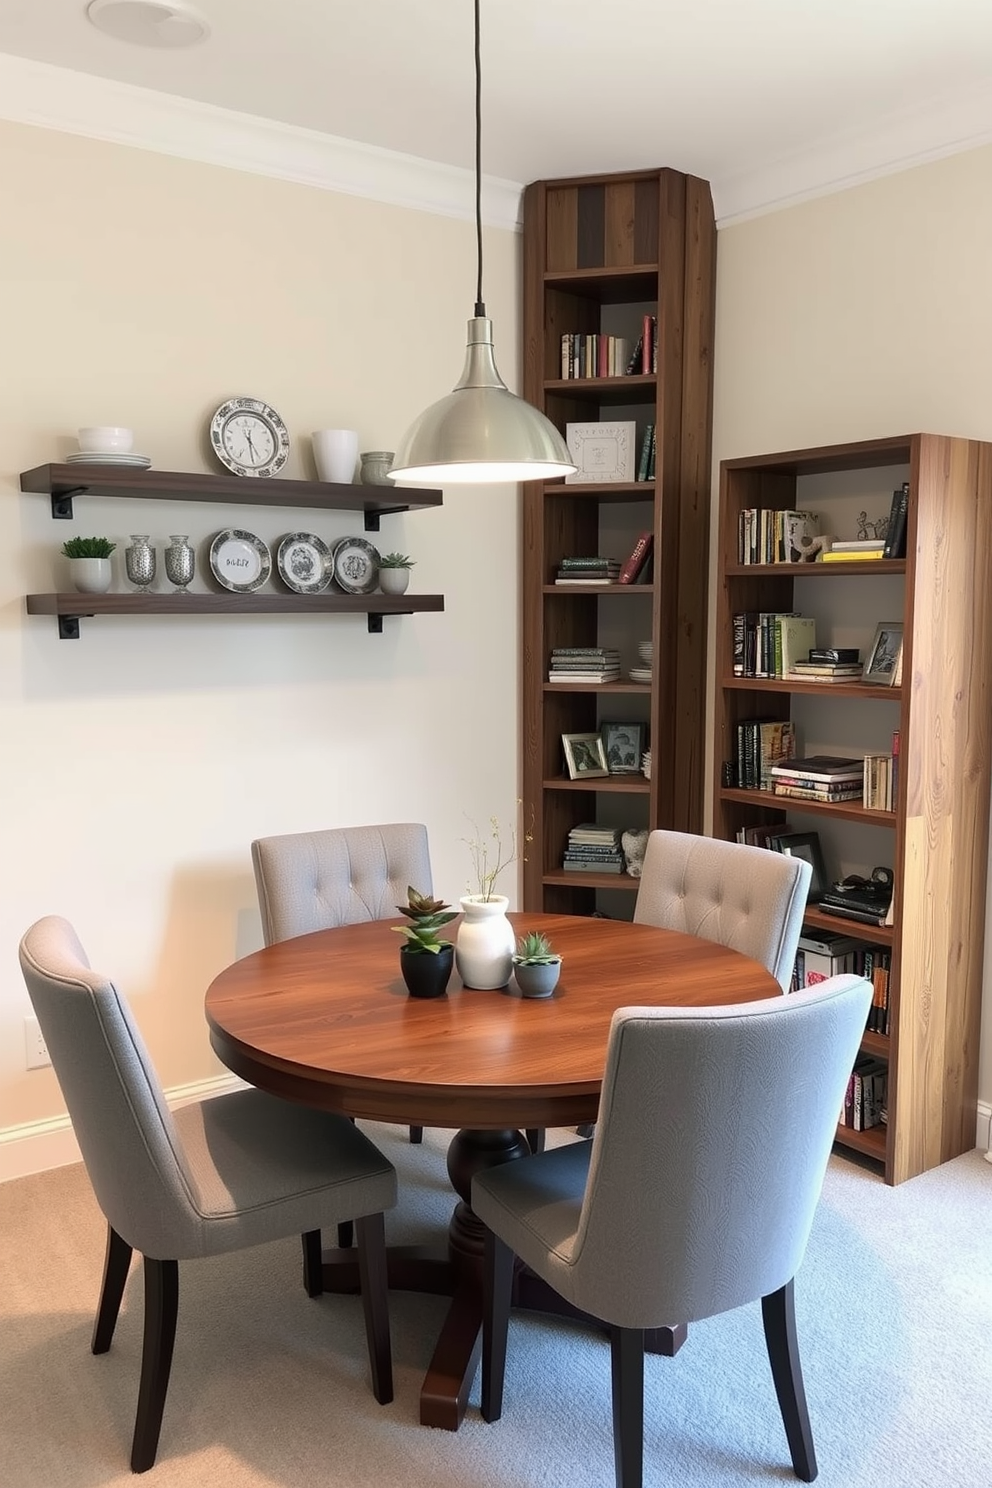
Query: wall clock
x,y
249,437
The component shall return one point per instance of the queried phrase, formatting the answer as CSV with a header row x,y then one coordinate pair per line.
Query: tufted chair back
x,y
343,876
747,898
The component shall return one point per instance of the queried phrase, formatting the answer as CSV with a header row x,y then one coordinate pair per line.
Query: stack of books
x,y
819,777
828,664
593,849
864,1100
868,548
821,954
584,664
589,570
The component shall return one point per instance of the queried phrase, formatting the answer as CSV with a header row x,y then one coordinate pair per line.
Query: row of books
x,y
765,535
645,460
782,643
593,849
584,664
821,954
892,542
826,778
596,354
760,743
881,780
866,1095
597,568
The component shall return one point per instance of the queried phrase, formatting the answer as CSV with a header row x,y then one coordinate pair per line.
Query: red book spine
x,y
637,559
647,344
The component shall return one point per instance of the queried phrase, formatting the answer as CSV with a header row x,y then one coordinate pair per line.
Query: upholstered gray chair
x,y
747,898
696,1195
219,1176
310,881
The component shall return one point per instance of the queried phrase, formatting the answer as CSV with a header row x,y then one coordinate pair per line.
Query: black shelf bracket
x,y
68,627
372,517
62,503
375,623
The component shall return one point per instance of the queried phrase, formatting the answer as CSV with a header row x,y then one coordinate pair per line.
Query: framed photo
x,y
623,745
603,452
584,756
884,664
805,845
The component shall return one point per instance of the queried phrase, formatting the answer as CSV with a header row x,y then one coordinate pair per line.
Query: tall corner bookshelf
x,y
936,839
600,253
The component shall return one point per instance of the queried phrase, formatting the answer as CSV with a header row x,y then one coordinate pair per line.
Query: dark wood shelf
x,y
597,588
607,284
876,1043
817,689
64,482
582,880
605,391
622,784
871,1142
71,608
603,491
815,570
597,687
844,810
857,929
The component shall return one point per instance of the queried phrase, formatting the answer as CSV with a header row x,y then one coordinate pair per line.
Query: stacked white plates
x,y
645,650
640,674
646,764
100,457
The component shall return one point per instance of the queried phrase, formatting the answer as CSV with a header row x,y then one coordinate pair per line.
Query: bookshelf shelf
x,y
601,253
937,839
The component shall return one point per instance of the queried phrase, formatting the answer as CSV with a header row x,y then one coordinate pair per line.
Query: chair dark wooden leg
x,y
627,1357
497,1287
313,1264
416,1134
375,1303
778,1313
346,1234
535,1138
161,1310
115,1269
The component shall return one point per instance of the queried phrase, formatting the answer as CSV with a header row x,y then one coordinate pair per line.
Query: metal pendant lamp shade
x,y
481,432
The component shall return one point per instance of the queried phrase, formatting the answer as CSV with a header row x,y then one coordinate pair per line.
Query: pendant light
x,y
480,433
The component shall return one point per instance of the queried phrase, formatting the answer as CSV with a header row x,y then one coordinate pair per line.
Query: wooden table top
x,y
325,1019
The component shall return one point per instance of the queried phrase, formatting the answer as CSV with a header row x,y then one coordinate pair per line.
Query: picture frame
x,y
805,845
883,667
623,745
604,453
584,756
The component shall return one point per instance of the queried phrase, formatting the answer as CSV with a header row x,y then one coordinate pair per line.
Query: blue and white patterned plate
x,y
304,562
356,565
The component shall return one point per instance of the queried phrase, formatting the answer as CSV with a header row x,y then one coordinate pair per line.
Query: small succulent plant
x,y
88,547
426,916
395,560
534,949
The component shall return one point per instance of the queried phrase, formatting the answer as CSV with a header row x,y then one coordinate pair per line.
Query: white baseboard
x,y
38,1145
983,1127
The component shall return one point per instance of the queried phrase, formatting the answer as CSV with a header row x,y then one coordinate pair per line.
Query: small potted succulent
x,y
425,960
536,966
89,563
394,573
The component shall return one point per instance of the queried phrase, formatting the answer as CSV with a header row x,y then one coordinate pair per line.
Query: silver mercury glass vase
x,y
180,562
139,562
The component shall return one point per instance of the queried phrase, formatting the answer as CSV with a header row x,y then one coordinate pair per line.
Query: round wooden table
x,y
326,1020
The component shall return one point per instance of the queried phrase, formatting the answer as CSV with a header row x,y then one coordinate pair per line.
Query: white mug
x,y
335,453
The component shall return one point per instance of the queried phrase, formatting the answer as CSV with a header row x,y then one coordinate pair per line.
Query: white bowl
x,y
106,439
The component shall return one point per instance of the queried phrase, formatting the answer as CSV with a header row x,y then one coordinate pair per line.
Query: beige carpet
x,y
269,1388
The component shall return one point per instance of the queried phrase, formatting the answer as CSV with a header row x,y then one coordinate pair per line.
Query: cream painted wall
x,y
861,314
140,760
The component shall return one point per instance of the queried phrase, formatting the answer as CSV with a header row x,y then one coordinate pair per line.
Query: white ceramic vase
x,y
90,575
485,943
394,580
335,454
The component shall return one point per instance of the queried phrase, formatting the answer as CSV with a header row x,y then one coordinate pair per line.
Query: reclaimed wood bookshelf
x,y
937,837
600,252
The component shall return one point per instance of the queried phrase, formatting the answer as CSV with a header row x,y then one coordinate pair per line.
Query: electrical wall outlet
x,y
35,1048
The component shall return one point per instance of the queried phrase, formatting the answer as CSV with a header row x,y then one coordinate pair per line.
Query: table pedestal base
x,y
417,1268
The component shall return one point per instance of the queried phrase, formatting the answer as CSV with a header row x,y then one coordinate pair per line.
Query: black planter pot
x,y
426,975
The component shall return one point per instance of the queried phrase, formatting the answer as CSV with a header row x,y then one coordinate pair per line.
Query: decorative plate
x,y
240,560
304,562
249,437
356,565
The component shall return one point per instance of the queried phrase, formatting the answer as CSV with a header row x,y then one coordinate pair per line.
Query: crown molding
x,y
100,108
930,130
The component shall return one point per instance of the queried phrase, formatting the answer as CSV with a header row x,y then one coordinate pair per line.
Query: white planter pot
x,y
485,942
394,580
90,575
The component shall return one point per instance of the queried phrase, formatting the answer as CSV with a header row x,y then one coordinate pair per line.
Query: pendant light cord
x,y
480,308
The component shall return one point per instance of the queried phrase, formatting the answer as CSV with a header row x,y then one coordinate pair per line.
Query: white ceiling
x,y
767,99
